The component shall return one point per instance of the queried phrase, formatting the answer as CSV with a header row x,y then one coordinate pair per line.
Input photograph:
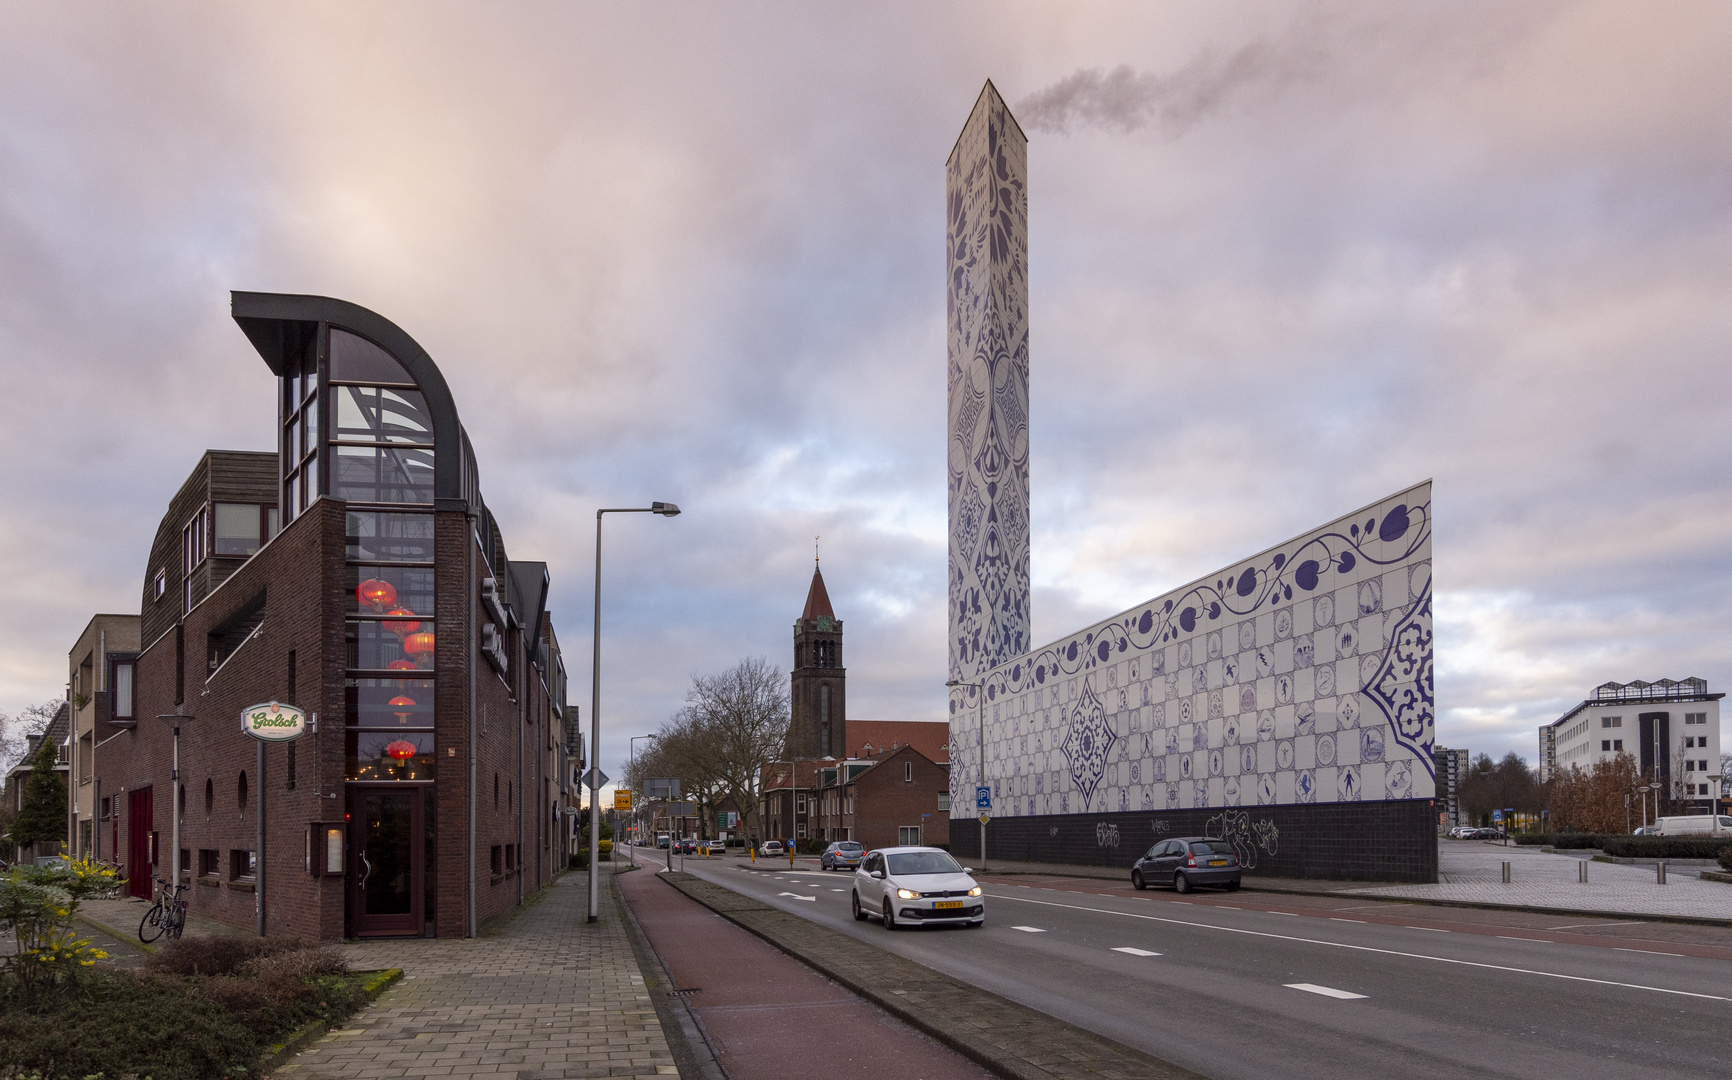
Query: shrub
x,y
1665,847
1726,858
224,954
1566,841
37,903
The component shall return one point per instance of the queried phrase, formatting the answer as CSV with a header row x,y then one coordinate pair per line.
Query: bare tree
x,y
15,731
732,725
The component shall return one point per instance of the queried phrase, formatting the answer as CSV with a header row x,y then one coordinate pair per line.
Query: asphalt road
x,y
1237,987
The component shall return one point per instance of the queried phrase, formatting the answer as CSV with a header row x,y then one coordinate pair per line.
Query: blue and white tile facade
x,y
986,201
1300,676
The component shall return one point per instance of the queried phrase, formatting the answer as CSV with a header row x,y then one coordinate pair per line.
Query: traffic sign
x,y
595,778
622,799
983,798
1497,815
985,816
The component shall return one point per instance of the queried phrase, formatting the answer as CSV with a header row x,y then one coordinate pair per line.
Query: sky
x,y
1285,259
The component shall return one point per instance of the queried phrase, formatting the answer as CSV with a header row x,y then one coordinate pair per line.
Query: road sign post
x,y
983,803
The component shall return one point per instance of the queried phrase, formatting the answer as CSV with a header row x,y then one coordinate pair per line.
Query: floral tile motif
x,y
1088,743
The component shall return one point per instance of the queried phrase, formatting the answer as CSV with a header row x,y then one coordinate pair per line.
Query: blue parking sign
x,y
1497,815
983,798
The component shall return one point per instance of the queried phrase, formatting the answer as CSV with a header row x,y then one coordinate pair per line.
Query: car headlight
x,y
974,891
907,894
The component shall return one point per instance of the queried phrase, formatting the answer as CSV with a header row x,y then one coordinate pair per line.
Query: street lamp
x,y
176,719
636,796
1714,794
980,714
665,510
1644,789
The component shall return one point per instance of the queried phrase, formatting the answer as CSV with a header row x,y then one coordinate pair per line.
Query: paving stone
x,y
494,1005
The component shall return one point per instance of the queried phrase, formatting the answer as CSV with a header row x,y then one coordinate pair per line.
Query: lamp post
x,y
1714,794
177,719
980,715
637,795
665,510
1644,789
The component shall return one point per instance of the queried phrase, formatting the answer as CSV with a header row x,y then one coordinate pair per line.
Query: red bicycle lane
x,y
766,1015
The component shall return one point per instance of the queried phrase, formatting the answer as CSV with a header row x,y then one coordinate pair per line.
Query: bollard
x,y
1582,871
670,855
1660,872
1506,873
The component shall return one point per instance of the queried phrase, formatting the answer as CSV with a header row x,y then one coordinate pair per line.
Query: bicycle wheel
x,y
150,927
179,922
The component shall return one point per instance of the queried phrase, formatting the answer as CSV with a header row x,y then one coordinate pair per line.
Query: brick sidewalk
x,y
545,995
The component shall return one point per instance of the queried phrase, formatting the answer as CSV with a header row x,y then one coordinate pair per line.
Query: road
x,y
1254,986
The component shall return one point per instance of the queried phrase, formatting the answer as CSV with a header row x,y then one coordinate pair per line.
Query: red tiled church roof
x,y
930,737
817,600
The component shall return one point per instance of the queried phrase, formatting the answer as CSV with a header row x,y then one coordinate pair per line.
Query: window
x,y
908,772
194,541
510,857
241,793
799,804
104,811
800,831
1695,718
1690,766
121,676
944,800
160,585
207,862
1689,742
241,865
908,836
240,528
209,794
289,777
1611,721
300,438
1617,744
1605,746
498,860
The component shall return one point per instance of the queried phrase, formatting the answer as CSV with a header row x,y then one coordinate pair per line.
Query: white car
x,y
909,886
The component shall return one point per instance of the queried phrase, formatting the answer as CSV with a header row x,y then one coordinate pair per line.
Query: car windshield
x,y
849,846
923,862
1211,847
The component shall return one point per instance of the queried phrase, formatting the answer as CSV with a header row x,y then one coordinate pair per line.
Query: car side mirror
x,y
968,869
878,874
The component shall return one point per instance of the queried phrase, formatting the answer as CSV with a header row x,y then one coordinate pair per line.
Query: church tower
x,y
819,724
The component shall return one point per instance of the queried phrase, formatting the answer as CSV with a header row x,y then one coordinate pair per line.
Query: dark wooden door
x,y
386,854
140,826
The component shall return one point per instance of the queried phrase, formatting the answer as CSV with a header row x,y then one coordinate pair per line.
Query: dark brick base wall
x,y
1364,841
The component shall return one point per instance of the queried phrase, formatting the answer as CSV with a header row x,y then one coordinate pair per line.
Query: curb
x,y
1010,1040
280,1053
131,939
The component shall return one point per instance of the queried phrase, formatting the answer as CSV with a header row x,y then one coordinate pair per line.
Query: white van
x,y
1694,825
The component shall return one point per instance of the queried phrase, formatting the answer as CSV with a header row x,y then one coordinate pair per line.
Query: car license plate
x,y
942,904
1217,862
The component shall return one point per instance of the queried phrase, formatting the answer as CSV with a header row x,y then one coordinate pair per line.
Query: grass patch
x,y
200,1009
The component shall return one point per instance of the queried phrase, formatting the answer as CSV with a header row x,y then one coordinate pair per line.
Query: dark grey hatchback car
x,y
1186,862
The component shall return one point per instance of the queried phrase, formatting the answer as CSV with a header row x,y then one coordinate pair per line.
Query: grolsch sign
x,y
274,722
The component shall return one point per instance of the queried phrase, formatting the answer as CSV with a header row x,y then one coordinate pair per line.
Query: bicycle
x,y
164,917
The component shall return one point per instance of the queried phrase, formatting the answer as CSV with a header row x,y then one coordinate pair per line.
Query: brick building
x,y
356,574
902,797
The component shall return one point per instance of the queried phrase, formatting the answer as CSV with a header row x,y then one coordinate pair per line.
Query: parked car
x,y
1186,862
1462,832
687,846
715,847
1693,825
1487,834
772,847
842,855
906,886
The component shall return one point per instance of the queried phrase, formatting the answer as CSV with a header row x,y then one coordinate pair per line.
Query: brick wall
x,y
886,799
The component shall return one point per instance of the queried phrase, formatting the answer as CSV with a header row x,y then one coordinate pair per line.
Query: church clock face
x,y
826,624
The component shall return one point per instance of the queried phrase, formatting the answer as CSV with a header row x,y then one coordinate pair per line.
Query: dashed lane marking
x,y
1513,937
1373,949
1650,952
1433,929
1029,929
1326,991
1361,922
1135,952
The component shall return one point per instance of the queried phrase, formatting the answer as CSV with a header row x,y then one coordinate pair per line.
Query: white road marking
x,y
1361,922
1650,952
838,890
1541,940
1373,949
1135,952
1433,929
799,896
1326,991
1029,929
1596,925
1295,914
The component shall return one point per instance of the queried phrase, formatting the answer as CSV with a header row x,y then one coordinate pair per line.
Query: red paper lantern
x,y
376,594
418,644
402,750
402,627
407,703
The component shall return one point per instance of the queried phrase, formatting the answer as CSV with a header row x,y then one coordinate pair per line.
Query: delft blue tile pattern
x,y
986,237
1301,676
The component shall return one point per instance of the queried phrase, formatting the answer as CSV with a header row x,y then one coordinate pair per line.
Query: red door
x,y
139,824
386,861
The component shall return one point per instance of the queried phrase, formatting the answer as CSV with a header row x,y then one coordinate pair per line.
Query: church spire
x,y
817,599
